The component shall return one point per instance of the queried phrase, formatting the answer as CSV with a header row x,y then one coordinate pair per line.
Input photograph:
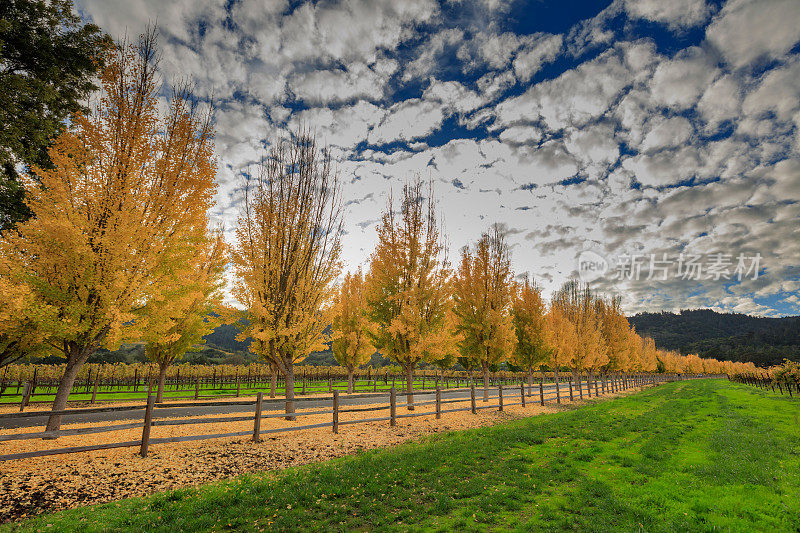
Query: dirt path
x,y
46,484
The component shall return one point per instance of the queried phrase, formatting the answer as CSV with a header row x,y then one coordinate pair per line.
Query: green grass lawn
x,y
695,455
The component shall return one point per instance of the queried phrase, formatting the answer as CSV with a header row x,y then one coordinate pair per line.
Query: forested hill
x,y
738,337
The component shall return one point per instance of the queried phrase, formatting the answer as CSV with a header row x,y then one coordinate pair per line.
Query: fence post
x,y
24,402
541,392
148,420
197,388
522,392
393,406
472,397
257,420
438,402
500,394
336,412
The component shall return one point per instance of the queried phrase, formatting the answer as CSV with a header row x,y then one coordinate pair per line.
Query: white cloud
x,y
679,82
721,101
489,49
574,98
667,167
453,95
674,13
668,133
429,51
536,54
345,126
595,146
748,30
521,135
337,86
778,92
492,85
408,120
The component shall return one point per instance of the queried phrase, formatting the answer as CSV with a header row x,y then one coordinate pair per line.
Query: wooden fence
x,y
95,389
504,395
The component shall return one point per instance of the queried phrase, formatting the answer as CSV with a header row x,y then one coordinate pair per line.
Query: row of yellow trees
x,y
121,248
413,307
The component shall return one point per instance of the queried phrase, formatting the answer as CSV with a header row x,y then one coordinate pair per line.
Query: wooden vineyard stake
x,y
336,412
148,420
393,406
257,419
472,397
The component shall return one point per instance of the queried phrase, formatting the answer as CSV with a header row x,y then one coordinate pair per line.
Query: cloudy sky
x,y
628,129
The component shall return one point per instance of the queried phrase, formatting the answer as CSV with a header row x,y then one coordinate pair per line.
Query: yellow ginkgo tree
x,y
529,314
189,309
286,254
129,184
408,283
351,342
483,293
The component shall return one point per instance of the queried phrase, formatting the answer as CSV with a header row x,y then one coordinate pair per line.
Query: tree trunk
x,y
530,381
290,392
273,382
350,372
410,386
75,360
162,376
485,369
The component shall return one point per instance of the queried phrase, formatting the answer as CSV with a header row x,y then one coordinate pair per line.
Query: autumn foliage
x,y
409,283
482,300
286,255
351,342
129,185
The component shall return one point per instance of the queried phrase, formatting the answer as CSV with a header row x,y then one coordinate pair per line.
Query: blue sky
x,y
631,129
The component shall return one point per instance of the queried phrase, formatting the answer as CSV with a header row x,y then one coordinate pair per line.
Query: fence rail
x,y
503,395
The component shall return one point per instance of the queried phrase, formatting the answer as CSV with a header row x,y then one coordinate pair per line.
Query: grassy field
x,y
694,455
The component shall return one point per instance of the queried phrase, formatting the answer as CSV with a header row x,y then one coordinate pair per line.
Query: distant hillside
x,y
734,336
224,338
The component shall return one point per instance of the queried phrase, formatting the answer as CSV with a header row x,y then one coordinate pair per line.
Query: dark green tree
x,y
48,59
